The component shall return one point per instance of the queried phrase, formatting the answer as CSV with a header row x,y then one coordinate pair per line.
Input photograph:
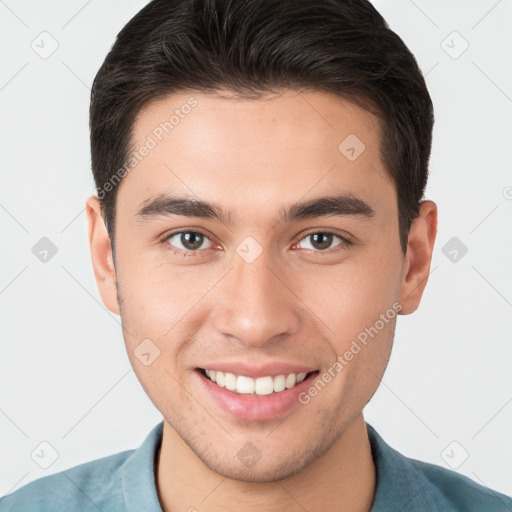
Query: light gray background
x,y
65,377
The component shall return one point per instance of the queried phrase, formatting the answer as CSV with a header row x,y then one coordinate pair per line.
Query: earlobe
x,y
101,254
416,266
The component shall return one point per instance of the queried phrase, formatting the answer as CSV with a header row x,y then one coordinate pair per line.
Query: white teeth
x,y
264,386
291,380
260,386
231,381
279,383
244,384
220,379
301,377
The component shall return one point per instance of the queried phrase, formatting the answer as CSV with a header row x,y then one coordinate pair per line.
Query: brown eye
x,y
189,241
322,240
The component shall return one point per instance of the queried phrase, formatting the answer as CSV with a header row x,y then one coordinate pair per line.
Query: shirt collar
x,y
399,485
139,472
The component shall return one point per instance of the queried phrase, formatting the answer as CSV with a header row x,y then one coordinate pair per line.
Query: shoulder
x,y
404,483
83,487
461,492
115,482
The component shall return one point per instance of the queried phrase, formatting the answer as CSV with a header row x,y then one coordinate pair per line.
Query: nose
x,y
255,303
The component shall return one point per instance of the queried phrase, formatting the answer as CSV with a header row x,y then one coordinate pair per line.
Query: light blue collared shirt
x,y
125,482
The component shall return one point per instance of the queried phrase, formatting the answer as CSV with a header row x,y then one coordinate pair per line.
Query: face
x,y
272,280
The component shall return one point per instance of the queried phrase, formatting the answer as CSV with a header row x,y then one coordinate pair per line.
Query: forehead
x,y
256,152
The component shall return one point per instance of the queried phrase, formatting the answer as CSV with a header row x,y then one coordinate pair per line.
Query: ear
x,y
101,254
416,266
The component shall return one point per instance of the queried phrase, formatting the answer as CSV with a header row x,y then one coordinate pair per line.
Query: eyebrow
x,y
345,204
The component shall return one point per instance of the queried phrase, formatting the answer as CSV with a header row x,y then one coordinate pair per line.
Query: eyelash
x,y
346,243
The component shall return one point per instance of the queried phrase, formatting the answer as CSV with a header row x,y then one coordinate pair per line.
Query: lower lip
x,y
254,407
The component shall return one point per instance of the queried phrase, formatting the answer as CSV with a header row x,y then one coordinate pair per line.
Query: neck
x,y
342,479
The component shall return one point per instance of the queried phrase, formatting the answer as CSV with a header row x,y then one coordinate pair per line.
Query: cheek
x,y
164,304
156,296
156,331
351,296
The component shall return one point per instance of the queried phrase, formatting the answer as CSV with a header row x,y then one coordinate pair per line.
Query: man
x,y
259,224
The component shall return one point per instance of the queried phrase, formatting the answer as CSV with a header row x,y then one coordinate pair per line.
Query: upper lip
x,y
253,370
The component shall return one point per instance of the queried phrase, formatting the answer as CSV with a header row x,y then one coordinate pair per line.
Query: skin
x,y
294,303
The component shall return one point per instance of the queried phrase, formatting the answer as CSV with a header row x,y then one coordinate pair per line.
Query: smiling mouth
x,y
261,386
